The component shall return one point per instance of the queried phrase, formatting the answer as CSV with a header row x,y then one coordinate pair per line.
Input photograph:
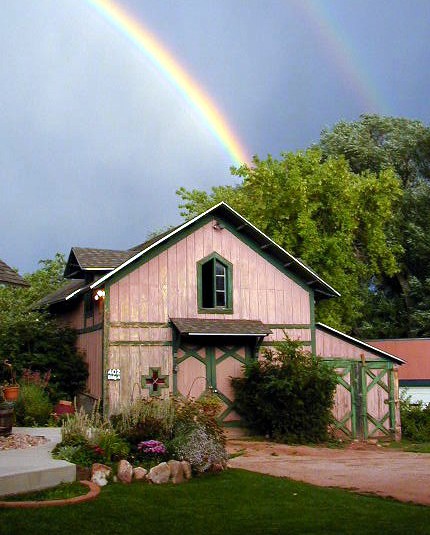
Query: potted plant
x,y
10,389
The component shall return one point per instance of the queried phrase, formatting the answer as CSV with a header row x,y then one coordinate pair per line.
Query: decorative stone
x,y
125,471
139,473
99,479
217,467
176,471
186,468
100,474
159,474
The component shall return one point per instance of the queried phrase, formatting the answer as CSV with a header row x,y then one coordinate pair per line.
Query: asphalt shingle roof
x,y
10,276
228,327
100,258
61,293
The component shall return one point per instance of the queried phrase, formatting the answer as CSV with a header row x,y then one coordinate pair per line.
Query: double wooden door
x,y
202,368
365,399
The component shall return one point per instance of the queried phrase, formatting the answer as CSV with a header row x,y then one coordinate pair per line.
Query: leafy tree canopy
x,y
374,143
399,304
30,338
333,219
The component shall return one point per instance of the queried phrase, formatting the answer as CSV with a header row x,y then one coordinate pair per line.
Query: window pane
x,y
220,283
220,269
220,299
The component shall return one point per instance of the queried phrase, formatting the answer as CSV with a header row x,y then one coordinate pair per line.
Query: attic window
x,y
215,284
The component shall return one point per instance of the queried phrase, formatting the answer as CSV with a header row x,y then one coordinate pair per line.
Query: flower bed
x,y
167,439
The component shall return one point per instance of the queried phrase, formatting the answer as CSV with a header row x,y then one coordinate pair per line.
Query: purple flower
x,y
152,446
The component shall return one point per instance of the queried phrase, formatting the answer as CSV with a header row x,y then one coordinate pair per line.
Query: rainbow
x,y
141,37
343,55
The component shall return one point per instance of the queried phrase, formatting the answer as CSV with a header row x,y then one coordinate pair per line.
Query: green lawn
x,y
235,502
409,445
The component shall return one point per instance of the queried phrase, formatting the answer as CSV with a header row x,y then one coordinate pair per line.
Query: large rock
x,y
159,474
186,467
139,473
125,471
176,471
100,474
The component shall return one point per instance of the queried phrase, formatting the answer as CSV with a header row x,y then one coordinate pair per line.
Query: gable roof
x,y
10,276
224,211
90,259
358,343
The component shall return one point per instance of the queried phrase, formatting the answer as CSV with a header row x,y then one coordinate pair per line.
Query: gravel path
x,y
365,469
19,441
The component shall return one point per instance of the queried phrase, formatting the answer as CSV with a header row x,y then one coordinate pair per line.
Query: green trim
x,y
105,350
139,324
190,230
234,423
257,248
274,342
88,306
141,343
392,402
282,326
86,330
228,309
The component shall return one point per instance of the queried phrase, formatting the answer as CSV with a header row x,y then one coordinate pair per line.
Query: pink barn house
x,y
182,312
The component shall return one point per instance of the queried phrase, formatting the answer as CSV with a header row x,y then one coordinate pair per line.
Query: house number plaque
x,y
114,374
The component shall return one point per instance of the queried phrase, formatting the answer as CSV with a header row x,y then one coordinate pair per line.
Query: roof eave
x,y
325,289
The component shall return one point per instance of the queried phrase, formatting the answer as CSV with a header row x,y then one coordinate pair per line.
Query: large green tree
x,y
374,143
398,305
31,339
333,219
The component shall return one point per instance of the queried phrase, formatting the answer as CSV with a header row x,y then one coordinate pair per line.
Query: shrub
x,y
415,418
146,420
88,438
199,447
33,407
288,394
198,437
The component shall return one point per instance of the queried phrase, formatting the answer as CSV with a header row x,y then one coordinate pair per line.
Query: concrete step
x,y
33,468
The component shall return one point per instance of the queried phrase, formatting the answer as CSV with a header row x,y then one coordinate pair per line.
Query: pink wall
x,y
91,344
416,352
166,286
328,345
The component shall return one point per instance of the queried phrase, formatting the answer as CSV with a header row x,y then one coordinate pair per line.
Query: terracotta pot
x,y
11,393
6,421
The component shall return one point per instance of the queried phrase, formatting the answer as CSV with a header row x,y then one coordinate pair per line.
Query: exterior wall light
x,y
100,294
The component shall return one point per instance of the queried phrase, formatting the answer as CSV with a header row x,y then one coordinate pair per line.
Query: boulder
x,y
216,467
159,474
139,473
176,471
100,474
186,468
125,471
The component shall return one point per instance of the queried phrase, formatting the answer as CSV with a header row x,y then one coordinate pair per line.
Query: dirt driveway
x,y
362,468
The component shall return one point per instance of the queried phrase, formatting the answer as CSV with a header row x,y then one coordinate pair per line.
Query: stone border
x,y
91,495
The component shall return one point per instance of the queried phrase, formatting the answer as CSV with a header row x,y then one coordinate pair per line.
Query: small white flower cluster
x,y
201,449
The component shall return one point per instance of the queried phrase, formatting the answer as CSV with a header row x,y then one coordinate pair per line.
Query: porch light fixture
x,y
100,294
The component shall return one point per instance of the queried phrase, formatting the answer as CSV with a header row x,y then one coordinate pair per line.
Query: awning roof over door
x,y
201,327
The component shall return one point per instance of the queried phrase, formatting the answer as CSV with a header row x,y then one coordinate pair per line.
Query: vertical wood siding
x,y
330,346
91,345
166,286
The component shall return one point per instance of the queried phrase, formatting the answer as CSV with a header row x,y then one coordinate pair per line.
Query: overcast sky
x,y
95,140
